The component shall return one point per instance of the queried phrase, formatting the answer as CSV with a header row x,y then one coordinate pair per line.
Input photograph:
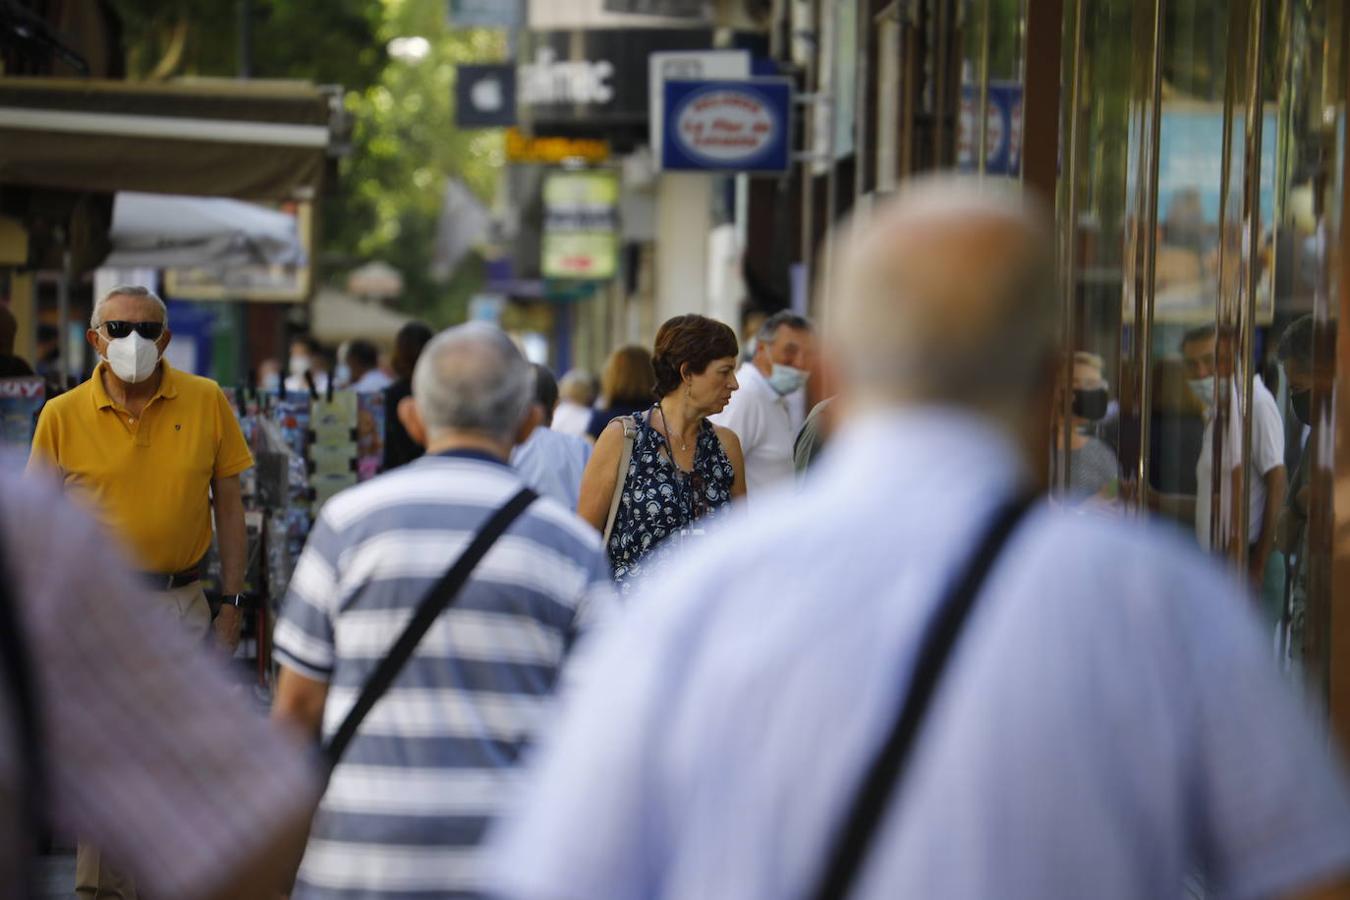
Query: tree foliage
x,y
332,42
406,146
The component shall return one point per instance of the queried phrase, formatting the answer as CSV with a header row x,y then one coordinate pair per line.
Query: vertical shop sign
x,y
1004,141
581,225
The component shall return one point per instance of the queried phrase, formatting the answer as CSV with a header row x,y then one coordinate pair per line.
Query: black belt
x,y
166,582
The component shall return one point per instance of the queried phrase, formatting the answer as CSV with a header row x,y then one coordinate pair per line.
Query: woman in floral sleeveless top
x,y
684,470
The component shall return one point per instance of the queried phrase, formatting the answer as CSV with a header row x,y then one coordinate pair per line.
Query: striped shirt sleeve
x,y
303,637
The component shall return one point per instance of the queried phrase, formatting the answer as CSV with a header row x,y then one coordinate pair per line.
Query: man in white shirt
x,y
1108,722
1208,357
549,461
576,402
762,412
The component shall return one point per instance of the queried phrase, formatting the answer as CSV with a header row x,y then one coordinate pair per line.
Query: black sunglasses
x,y
148,330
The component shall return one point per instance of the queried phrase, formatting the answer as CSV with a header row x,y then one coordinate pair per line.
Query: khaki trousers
x,y
94,880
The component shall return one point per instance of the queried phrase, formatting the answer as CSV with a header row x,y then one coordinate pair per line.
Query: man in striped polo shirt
x,y
434,762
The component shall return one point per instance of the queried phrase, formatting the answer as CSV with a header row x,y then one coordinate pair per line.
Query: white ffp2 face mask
x,y
132,358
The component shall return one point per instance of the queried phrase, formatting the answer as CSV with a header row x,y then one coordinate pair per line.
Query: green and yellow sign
x,y
581,225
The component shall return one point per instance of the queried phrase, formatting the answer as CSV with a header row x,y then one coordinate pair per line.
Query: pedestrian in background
x,y
548,461
657,477
399,448
11,366
625,387
363,366
156,454
433,764
761,412
307,358
576,392
1104,721
142,747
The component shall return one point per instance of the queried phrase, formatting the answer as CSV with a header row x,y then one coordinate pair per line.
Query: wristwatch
x,y
238,601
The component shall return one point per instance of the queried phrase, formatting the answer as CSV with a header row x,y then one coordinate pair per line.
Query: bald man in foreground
x,y
1103,722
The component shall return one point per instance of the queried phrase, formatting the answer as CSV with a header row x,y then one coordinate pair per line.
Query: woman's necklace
x,y
665,429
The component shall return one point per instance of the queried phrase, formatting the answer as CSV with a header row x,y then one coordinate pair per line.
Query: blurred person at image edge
x,y
142,745
1107,720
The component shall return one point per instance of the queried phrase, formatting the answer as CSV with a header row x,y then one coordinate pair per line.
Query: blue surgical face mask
x,y
787,379
1204,389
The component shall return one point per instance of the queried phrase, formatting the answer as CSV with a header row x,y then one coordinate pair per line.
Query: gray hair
x,y
578,386
945,294
781,319
473,378
127,290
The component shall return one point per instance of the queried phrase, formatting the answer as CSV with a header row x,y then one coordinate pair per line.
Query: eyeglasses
x,y
148,330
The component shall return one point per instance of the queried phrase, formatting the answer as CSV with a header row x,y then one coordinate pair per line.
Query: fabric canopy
x,y
249,140
335,317
165,231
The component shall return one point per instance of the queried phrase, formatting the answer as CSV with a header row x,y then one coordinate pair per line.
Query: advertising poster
x,y
332,452
581,225
370,413
20,401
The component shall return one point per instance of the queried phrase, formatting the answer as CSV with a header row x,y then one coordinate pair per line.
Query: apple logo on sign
x,y
487,95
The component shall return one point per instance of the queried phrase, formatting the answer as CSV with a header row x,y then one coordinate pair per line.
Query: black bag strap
x,y
888,767
18,684
441,595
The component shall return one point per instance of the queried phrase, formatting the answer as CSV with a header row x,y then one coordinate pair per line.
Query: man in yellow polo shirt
x,y
153,452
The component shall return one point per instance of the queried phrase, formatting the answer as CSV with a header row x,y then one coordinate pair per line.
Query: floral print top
x,y
661,502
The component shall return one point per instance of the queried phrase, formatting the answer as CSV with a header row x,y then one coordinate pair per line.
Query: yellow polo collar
x,y
168,385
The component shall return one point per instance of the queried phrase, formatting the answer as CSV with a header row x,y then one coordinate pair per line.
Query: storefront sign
x,y
487,13
670,9
737,126
550,80
596,78
551,151
581,225
688,65
1003,137
485,96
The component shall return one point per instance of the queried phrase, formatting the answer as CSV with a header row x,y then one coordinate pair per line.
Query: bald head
x,y
473,379
944,295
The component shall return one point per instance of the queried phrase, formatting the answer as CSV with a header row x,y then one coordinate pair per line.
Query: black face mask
x,y
1301,403
1090,404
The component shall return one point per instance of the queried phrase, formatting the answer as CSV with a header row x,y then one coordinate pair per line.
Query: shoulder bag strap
x,y
17,673
433,604
887,769
629,435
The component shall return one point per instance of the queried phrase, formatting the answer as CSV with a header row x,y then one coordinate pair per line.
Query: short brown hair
x,y
628,376
692,341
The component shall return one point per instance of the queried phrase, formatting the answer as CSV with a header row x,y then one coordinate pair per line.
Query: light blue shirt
x,y
1109,723
552,463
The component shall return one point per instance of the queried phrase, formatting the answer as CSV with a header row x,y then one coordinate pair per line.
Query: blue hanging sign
x,y
728,126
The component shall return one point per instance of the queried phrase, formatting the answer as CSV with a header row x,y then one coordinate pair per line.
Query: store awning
x,y
164,231
249,140
335,317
